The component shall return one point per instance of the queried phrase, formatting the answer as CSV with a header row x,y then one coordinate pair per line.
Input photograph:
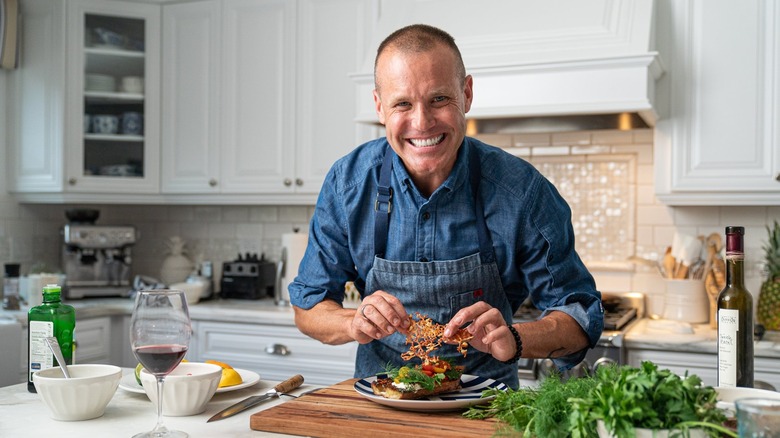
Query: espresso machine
x,y
97,259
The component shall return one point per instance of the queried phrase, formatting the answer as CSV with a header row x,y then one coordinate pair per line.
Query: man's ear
x,y
468,92
378,107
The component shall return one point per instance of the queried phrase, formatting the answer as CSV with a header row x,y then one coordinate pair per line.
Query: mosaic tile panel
x,y
601,193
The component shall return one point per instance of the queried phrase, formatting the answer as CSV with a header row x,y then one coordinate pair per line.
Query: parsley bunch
x,y
626,398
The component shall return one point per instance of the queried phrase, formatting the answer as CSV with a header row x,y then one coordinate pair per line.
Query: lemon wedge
x,y
230,377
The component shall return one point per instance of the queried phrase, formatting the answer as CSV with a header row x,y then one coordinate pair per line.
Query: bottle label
x,y
728,326
40,355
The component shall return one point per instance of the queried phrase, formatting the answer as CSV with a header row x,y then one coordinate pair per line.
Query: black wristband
x,y
518,343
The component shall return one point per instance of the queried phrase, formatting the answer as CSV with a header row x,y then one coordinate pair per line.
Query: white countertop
x,y
257,311
689,338
23,414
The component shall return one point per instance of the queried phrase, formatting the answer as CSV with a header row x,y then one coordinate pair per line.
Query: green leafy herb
x,y
541,412
624,398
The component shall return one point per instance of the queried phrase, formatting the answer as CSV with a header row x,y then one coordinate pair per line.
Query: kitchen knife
x,y
286,386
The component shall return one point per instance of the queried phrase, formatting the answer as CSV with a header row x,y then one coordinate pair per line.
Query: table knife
x,y
286,386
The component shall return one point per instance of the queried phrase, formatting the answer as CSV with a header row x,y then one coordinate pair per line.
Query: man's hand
x,y
491,334
378,316
555,335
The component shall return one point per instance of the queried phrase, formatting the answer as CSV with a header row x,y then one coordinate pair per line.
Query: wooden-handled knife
x,y
286,386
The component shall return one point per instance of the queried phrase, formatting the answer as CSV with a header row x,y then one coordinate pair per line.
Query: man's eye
x,y
403,105
440,99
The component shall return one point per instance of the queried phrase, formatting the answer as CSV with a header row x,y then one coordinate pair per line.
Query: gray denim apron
x,y
437,289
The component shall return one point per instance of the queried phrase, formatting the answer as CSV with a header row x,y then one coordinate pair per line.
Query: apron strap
x,y
383,204
486,252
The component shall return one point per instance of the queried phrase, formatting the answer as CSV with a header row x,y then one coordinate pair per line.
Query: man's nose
x,y
423,118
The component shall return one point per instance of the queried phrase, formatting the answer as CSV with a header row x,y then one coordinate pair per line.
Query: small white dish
x,y
728,395
250,378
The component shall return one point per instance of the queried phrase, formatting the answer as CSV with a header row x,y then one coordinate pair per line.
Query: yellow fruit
x,y
138,369
222,364
230,377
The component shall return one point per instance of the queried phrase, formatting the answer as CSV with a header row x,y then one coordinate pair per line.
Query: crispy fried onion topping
x,y
425,336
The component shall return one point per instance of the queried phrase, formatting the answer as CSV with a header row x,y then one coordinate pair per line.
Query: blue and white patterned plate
x,y
470,394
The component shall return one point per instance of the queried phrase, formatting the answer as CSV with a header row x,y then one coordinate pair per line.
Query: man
x,y
427,220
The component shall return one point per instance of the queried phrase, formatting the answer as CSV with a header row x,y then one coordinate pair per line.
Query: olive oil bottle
x,y
51,318
735,318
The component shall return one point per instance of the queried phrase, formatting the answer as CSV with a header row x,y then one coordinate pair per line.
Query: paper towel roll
x,y
294,246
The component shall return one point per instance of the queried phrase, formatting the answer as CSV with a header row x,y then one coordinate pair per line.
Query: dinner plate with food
x,y
435,384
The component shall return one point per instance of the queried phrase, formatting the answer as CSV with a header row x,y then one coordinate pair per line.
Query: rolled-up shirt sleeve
x,y
556,277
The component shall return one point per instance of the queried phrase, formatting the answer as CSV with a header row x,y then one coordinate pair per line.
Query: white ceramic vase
x,y
649,433
177,266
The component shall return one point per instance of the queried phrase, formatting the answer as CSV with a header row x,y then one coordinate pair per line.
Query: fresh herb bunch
x,y
626,398
540,412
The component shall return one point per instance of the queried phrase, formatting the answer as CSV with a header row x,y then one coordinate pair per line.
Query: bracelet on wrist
x,y
518,344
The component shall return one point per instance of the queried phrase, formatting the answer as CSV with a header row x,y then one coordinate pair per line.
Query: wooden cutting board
x,y
339,411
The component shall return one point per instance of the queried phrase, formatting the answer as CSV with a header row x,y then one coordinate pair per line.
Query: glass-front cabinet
x,y
84,115
113,116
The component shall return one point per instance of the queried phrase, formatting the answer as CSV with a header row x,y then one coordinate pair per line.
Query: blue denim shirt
x,y
529,222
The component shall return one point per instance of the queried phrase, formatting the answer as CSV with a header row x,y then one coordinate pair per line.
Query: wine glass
x,y
160,332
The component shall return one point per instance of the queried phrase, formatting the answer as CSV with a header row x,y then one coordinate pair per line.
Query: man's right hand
x,y
379,315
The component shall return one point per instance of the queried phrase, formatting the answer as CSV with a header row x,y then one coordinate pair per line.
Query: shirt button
x,y
423,259
426,216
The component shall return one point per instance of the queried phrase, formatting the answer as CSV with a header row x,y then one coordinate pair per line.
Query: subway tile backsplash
x,y
617,166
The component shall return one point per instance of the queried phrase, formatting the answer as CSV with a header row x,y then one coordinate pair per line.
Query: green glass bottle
x,y
52,318
735,318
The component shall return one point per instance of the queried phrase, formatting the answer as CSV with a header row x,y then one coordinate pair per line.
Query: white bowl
x,y
82,397
187,388
728,395
192,290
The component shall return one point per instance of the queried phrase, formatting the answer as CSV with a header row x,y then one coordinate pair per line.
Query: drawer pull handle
x,y
277,349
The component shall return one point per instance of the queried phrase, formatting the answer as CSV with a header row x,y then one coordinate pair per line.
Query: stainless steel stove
x,y
620,313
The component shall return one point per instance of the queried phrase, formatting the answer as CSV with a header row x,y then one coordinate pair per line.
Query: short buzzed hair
x,y
419,38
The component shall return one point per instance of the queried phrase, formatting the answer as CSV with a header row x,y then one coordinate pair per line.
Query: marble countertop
x,y
23,414
221,310
689,338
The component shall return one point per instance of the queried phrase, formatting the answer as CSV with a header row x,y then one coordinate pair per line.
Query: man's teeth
x,y
426,142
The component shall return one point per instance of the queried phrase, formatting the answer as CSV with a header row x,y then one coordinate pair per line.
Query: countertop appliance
x,y
97,259
249,277
621,311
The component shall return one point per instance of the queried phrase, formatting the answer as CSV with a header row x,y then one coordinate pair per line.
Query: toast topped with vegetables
x,y
410,382
434,375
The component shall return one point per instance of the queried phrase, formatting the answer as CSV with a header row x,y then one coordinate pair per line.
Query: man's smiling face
x,y
423,102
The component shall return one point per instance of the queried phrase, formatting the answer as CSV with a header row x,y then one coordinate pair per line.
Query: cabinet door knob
x,y
287,182
277,349
777,178
72,181
298,182
213,182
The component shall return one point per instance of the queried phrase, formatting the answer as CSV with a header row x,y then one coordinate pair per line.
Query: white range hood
x,y
538,57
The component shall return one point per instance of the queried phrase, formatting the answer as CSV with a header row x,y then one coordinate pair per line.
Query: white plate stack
x,y
96,82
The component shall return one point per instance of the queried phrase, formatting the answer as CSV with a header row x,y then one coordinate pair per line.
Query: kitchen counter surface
x,y
665,335
24,414
260,311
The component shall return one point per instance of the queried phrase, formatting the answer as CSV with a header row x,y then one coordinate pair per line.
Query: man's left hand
x,y
491,335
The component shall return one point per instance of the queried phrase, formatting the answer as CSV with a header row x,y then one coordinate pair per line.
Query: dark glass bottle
x,y
735,318
51,318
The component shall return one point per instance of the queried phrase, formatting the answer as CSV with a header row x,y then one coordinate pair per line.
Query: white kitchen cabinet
x,y
93,340
51,157
720,144
703,365
273,351
274,107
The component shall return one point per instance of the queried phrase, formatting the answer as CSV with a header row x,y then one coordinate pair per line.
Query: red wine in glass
x,y
160,359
